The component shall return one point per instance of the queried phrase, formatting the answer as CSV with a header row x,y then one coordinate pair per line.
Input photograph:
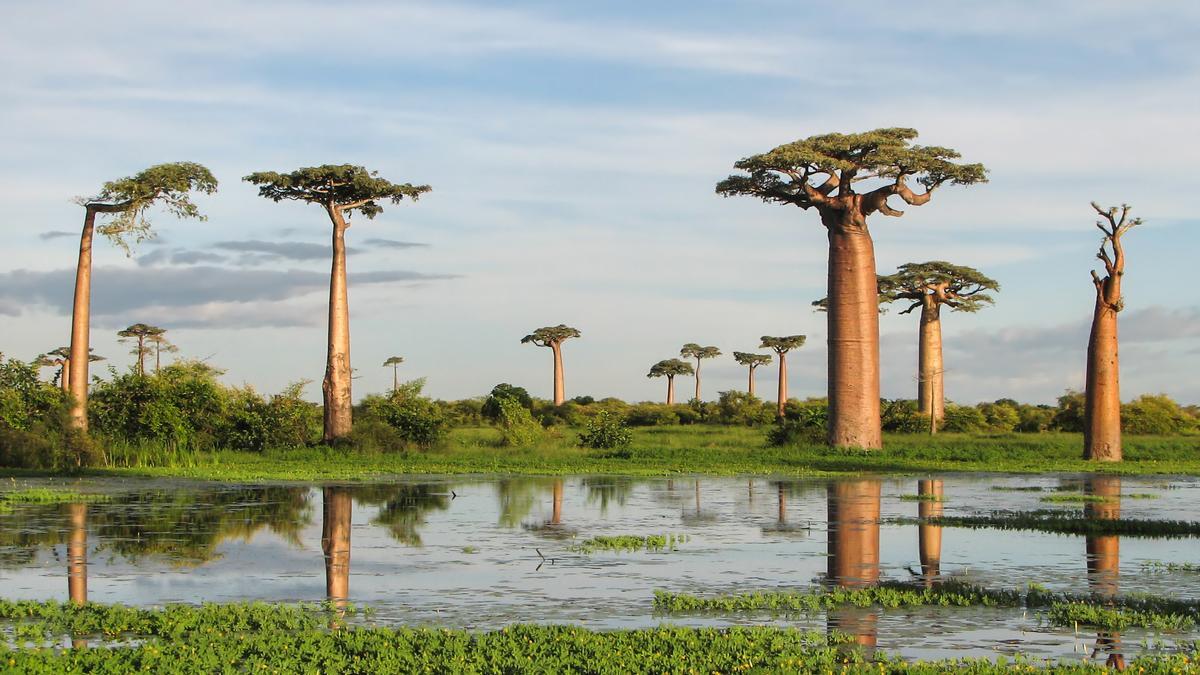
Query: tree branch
x,y
911,198
912,307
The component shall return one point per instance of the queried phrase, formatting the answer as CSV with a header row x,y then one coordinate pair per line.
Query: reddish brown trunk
x,y
670,390
77,554
64,376
1102,403
853,548
697,378
750,385
931,396
81,317
559,388
337,508
781,395
929,537
335,388
853,326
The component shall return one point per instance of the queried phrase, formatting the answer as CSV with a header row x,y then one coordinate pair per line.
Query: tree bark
x,y
931,397
141,342
81,317
670,390
853,327
64,377
559,388
336,509
697,378
853,552
395,378
750,386
335,388
929,537
77,554
781,396
1102,401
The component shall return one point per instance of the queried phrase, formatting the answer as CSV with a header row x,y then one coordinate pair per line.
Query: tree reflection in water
x,y
404,507
337,507
929,537
1104,560
853,550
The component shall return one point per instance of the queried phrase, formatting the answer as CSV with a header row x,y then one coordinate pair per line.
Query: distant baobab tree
x,y
161,344
340,189
394,362
669,368
553,337
125,201
781,346
61,357
753,361
931,286
139,333
842,162
695,351
1102,400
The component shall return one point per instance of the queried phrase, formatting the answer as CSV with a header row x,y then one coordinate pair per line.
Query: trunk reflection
x,y
853,548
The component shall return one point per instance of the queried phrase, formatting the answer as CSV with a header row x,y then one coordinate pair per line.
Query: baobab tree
x,y
125,202
931,286
695,351
139,333
753,361
161,344
781,346
553,337
394,362
669,368
61,357
340,189
788,175
1102,400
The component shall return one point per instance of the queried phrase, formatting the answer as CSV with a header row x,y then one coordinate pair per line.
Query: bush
x,y
1001,416
1035,418
651,415
180,407
491,406
416,419
742,409
25,401
517,426
797,432
606,431
1069,415
901,416
1159,414
963,419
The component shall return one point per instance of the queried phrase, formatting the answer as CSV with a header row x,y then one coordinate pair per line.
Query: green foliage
x,y
180,407
962,289
1149,414
27,403
901,416
127,199
1001,416
963,419
1069,415
416,419
808,428
670,368
752,359
653,414
629,543
518,429
782,345
741,409
1070,522
252,423
551,335
694,351
352,188
606,431
491,405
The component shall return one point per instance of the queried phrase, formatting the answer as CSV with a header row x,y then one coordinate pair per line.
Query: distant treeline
x,y
183,408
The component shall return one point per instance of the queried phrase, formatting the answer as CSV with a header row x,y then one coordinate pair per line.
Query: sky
x,y
573,150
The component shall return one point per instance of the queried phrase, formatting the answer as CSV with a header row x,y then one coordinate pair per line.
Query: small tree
x,y
340,189
125,201
61,357
753,361
161,344
394,362
553,337
1102,397
781,346
669,368
931,286
842,163
695,351
139,333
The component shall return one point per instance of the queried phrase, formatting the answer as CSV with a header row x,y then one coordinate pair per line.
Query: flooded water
x,y
482,552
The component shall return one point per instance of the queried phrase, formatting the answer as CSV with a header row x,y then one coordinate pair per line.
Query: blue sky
x,y
573,149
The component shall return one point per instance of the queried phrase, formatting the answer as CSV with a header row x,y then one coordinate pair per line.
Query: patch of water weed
x,y
1017,488
45,496
923,498
630,542
1073,498
1066,522
1117,618
1160,567
1140,495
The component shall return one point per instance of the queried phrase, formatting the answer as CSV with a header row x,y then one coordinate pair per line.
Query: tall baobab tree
x,y
553,337
753,361
394,362
931,286
161,344
139,333
788,175
695,351
1102,400
781,346
340,189
669,368
125,202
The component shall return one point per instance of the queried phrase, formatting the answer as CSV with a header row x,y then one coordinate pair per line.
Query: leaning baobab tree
x,y
394,362
669,368
125,202
1102,403
139,333
695,351
553,337
931,286
841,162
753,361
339,189
781,346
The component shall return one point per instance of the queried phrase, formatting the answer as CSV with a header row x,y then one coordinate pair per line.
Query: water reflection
x,y
929,537
1104,560
782,526
77,543
336,509
403,507
853,550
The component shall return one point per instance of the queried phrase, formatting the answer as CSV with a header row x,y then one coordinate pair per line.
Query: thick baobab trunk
x,y
853,552
929,537
337,507
64,376
335,388
77,554
781,395
559,388
931,392
1102,403
81,318
853,321
670,390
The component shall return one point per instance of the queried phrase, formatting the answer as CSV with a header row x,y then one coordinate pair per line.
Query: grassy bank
x,y
715,450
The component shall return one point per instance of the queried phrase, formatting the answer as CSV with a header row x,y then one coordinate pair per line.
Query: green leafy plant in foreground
x,y
630,542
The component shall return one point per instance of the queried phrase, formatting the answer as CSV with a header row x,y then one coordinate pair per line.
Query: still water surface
x,y
482,552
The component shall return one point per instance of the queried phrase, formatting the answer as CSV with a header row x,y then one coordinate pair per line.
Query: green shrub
x,y
180,407
491,406
606,431
1069,414
416,419
901,416
741,409
517,426
963,419
1149,414
1001,416
808,430
651,415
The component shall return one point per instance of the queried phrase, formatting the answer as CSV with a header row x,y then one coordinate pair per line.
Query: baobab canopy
x,y
752,359
783,345
549,335
353,188
128,198
670,368
960,288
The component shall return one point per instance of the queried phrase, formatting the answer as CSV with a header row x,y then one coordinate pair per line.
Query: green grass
x,y
45,496
630,542
1071,498
250,638
698,449
1067,522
